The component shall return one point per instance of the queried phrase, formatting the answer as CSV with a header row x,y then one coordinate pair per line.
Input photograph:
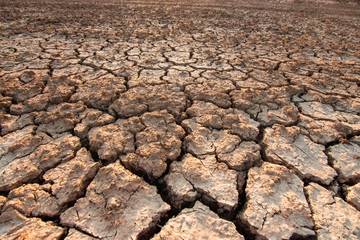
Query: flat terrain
x,y
179,120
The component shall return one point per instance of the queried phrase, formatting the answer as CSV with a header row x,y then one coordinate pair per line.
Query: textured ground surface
x,y
179,120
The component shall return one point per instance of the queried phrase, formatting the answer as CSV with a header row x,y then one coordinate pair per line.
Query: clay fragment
x,y
200,223
276,207
117,205
333,217
286,145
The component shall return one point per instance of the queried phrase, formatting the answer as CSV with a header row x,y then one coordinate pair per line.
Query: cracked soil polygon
x,y
198,221
276,206
287,146
333,217
117,205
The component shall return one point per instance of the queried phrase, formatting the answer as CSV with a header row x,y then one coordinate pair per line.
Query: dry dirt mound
x,y
179,120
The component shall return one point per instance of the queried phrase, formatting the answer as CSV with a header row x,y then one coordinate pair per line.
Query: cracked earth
x,y
176,120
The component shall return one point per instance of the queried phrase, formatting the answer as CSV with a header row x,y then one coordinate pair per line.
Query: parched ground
x,y
179,120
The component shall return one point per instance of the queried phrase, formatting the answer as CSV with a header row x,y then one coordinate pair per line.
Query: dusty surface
x,y
179,120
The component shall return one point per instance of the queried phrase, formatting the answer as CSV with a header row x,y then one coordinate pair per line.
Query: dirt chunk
x,y
5,103
158,143
211,116
91,118
328,107
33,200
19,144
144,144
111,140
325,131
346,159
208,94
99,93
60,118
137,101
24,169
2,201
276,207
198,221
11,123
205,176
353,195
147,77
268,106
22,90
13,226
245,156
203,141
286,145
59,89
333,217
68,180
117,205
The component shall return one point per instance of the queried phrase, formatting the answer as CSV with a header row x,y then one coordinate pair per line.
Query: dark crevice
x,y
126,82
84,232
163,192
70,204
64,235
173,212
300,237
240,227
95,156
4,193
50,69
307,198
206,199
277,66
342,140
244,229
54,220
106,162
259,140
